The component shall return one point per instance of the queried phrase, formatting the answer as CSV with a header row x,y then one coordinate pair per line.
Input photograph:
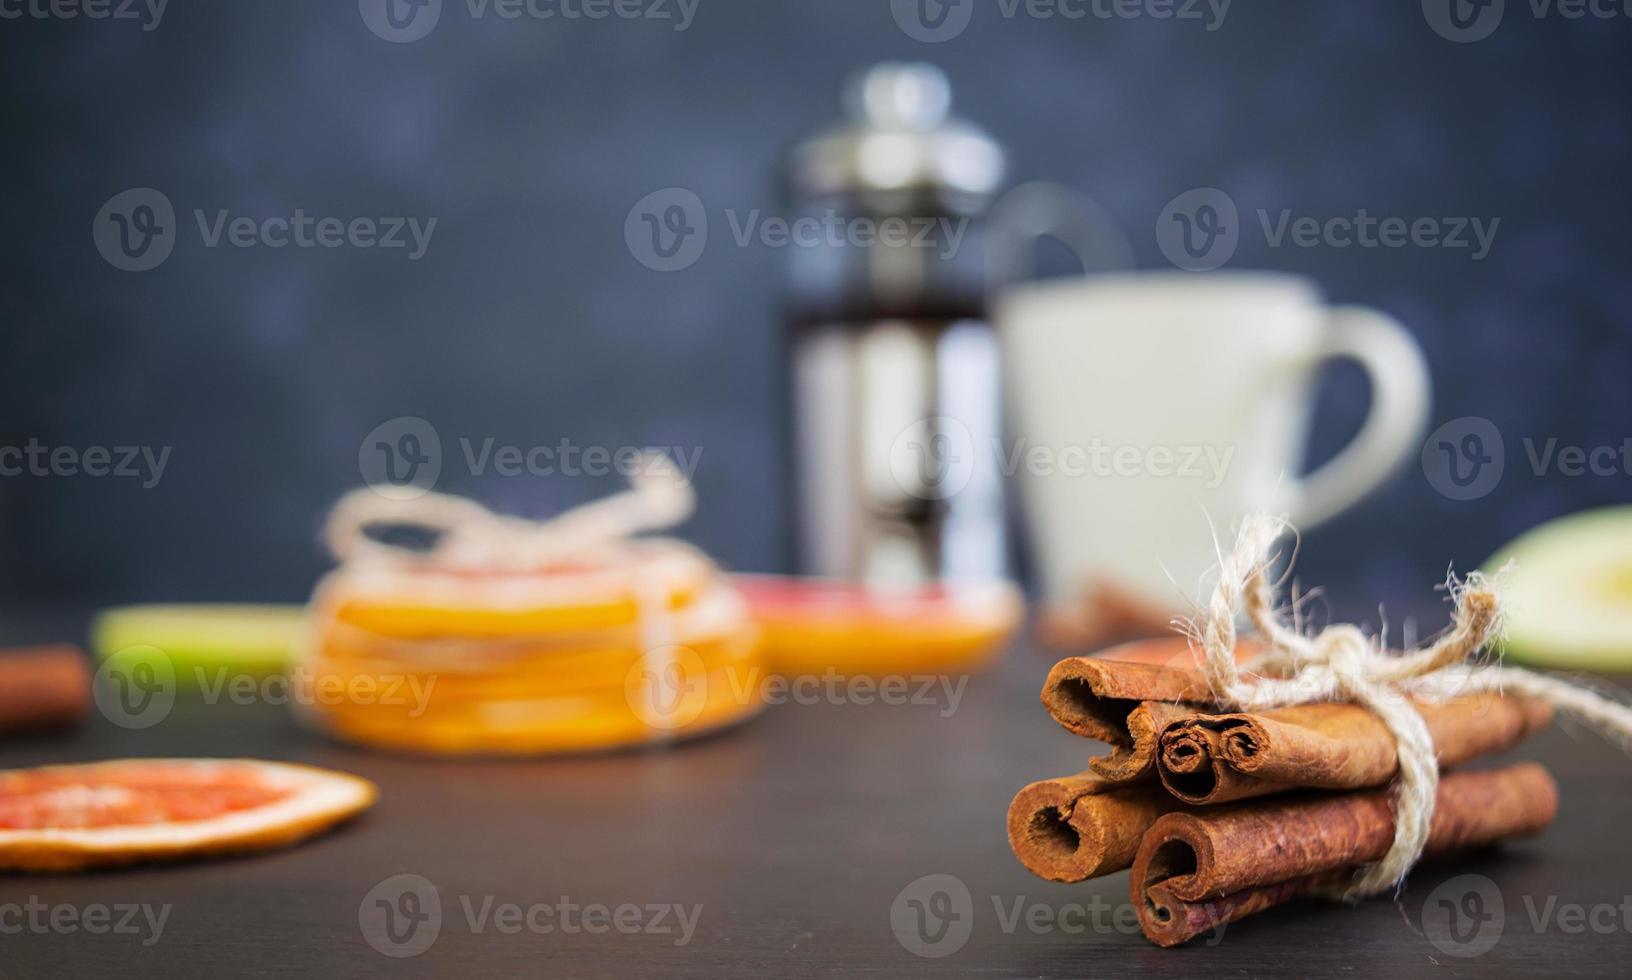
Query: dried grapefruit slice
x,y
67,818
814,625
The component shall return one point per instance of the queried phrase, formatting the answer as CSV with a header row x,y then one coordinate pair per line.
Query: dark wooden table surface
x,y
790,840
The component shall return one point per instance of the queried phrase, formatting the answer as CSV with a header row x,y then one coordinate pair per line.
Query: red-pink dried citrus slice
x,y
66,818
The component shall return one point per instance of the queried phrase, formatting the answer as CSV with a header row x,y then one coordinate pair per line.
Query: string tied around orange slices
x,y
469,536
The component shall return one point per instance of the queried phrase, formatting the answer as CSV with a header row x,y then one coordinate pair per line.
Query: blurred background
x,y
529,320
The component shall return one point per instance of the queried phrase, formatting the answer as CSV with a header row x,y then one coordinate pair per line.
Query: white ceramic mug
x,y
1149,409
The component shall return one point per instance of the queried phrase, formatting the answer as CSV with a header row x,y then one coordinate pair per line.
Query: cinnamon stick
x,y
1102,613
1199,869
42,688
1127,703
1079,827
1093,697
1208,759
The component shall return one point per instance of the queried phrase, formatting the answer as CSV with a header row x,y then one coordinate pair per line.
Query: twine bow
x,y
469,536
1342,664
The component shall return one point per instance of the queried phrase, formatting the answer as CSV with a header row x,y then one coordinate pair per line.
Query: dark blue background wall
x,y
529,321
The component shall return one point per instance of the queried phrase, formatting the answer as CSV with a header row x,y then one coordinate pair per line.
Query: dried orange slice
x,y
420,602
506,635
67,818
816,625
326,681
697,704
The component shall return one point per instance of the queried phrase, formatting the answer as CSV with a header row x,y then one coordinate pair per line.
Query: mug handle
x,y
1394,427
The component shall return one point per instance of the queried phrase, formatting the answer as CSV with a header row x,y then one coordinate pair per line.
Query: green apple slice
x,y
257,640
1569,593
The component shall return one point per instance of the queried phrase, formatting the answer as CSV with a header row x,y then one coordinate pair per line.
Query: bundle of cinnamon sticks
x,y
1223,815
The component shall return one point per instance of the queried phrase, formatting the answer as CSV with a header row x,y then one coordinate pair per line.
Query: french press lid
x,y
900,144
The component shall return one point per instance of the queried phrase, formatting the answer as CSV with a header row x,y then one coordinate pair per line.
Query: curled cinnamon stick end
x,y
1127,697
1093,697
1199,869
1136,761
1078,827
43,688
1206,760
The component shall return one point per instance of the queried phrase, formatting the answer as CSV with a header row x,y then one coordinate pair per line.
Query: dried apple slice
x,y
1568,594
68,818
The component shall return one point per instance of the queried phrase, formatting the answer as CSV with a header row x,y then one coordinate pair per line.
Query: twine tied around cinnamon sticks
x,y
1342,664
471,536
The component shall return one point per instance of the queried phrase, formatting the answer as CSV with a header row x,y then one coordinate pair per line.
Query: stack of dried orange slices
x,y
513,636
